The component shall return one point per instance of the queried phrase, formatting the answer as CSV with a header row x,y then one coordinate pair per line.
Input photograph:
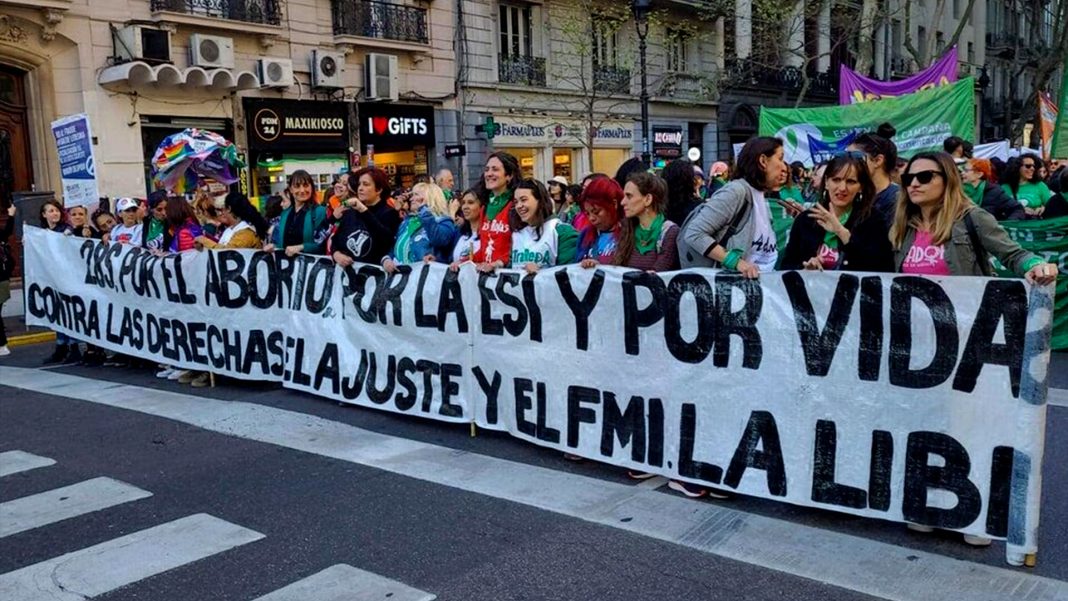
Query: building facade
x,y
286,80
557,83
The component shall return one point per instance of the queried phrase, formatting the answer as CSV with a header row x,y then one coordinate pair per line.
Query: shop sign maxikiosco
x,y
297,126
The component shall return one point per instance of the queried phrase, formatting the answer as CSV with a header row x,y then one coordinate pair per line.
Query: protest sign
x,y
897,397
923,121
855,88
1047,120
1059,143
74,143
992,150
1048,238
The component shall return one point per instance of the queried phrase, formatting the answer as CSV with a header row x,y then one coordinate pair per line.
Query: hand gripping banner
x,y
897,397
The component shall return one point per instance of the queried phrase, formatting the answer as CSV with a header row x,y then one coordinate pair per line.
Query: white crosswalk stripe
x,y
13,462
346,583
121,561
51,506
863,565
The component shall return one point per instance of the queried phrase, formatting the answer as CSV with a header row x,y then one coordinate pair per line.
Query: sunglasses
x,y
853,154
1028,166
924,177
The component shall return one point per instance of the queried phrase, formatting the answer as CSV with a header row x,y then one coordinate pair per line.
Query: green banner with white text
x,y
1059,149
923,120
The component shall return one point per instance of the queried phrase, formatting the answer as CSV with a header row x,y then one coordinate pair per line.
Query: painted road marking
x,y
59,504
1058,397
851,562
118,562
346,583
13,462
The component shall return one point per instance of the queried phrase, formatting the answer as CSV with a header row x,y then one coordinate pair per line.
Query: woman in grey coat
x,y
733,228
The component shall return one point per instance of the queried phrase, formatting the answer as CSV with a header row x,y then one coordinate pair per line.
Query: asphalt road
x,y
312,511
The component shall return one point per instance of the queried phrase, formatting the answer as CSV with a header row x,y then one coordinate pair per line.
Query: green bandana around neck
x,y
404,241
645,238
975,192
830,238
497,203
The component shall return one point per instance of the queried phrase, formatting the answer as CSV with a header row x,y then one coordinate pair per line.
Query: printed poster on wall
x,y
74,144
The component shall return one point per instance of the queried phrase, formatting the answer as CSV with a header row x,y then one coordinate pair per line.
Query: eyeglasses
x,y
924,177
1027,166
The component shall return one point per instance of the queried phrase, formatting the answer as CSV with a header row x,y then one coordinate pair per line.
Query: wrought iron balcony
x,y
522,70
746,73
266,12
611,80
381,20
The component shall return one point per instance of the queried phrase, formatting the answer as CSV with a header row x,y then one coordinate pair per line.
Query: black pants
x,y
3,333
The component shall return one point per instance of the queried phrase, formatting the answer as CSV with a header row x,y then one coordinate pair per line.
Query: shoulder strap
x,y
977,246
737,219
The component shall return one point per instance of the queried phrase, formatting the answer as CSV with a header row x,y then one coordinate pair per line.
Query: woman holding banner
x,y
539,238
245,227
471,210
881,156
367,232
938,231
598,240
733,228
427,234
647,239
301,227
842,231
499,179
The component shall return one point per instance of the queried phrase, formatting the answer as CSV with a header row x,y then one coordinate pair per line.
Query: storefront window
x,y
527,159
562,163
608,160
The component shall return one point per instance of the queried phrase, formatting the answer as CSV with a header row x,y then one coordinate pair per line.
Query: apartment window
x,y
896,41
677,59
971,53
956,9
605,43
940,41
515,31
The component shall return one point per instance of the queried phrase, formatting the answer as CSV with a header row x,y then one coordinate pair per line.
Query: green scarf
x,y
404,241
155,228
645,237
497,203
830,238
975,192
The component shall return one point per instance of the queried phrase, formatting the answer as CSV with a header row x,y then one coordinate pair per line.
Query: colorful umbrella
x,y
185,158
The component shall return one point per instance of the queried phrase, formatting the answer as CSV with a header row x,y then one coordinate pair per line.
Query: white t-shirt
x,y
228,233
542,251
465,248
127,235
765,250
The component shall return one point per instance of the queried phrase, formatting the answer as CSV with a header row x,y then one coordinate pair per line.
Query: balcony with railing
x,y
747,73
255,16
380,24
521,70
611,80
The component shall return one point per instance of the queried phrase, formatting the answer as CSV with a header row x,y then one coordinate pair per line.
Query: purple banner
x,y
855,88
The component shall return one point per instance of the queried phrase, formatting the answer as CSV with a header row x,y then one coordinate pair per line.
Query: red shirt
x,y
495,237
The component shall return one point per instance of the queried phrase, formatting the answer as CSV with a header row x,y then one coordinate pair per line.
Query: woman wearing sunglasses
x,y
842,230
938,231
1023,183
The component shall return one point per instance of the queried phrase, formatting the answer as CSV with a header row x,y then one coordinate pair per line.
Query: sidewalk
x,y
19,335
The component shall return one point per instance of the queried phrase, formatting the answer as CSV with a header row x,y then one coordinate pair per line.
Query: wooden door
x,y
16,170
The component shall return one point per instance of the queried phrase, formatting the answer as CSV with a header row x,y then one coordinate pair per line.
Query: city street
x,y
117,485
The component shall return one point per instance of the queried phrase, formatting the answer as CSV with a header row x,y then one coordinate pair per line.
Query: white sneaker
x,y
921,528
165,373
177,373
4,351
977,541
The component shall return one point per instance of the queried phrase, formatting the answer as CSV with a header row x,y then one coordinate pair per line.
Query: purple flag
x,y
854,87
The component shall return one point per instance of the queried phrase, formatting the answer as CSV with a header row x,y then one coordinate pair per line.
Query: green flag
x,y
1059,149
922,119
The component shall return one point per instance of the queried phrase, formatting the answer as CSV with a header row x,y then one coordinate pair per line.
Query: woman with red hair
x,y
598,240
980,185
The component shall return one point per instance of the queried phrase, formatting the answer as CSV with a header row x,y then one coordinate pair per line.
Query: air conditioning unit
x,y
212,51
141,43
326,69
382,78
276,72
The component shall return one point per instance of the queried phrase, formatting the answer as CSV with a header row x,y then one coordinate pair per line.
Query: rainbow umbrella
x,y
191,155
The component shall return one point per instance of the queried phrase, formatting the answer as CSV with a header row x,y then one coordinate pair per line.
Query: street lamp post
x,y
984,83
641,9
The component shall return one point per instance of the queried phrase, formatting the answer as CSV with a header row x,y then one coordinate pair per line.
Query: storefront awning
x,y
137,74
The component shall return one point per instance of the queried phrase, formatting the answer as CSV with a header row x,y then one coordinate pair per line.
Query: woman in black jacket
x,y
368,227
981,187
842,231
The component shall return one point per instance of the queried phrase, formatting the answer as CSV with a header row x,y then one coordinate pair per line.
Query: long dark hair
x,y
647,183
179,212
62,213
748,165
874,145
1011,175
465,229
511,167
545,206
241,208
628,168
865,199
301,176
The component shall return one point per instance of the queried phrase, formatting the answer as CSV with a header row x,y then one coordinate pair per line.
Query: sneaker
x,y
977,541
202,380
177,373
921,528
187,377
165,373
4,351
58,355
633,475
690,490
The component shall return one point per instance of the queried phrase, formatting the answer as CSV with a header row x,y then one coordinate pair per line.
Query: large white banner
x,y
889,396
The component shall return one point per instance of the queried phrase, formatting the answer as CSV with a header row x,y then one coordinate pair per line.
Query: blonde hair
x,y
435,198
952,208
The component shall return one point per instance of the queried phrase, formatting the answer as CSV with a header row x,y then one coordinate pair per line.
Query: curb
x,y
27,339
